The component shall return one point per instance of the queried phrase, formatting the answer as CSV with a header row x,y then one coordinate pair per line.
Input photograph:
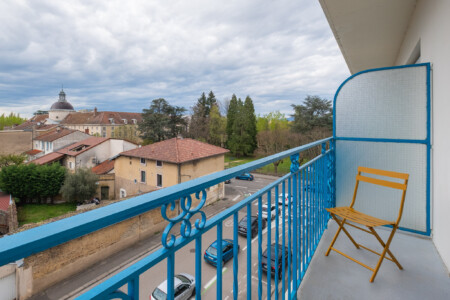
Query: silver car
x,y
184,288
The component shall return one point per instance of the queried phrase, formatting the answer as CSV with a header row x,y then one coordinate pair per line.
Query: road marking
x,y
256,278
243,187
226,298
235,198
212,281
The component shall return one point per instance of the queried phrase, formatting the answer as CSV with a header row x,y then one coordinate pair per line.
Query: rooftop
x,y
48,158
82,146
102,118
104,167
54,135
176,151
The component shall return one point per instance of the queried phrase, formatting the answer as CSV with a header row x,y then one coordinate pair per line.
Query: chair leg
x,y
346,232
341,227
384,245
386,248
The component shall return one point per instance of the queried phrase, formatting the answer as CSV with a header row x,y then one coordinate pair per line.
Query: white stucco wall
x,y
69,139
429,25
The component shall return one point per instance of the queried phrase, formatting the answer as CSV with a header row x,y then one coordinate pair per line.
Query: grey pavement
x,y
335,277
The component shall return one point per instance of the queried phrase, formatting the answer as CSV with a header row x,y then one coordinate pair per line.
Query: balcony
x,y
365,133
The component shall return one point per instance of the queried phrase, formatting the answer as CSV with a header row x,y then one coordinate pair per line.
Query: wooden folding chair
x,y
344,215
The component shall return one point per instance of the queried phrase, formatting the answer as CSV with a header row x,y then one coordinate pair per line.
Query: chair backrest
x,y
382,182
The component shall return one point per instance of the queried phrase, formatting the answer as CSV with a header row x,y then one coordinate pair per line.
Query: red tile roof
x,y
176,150
104,167
38,119
33,152
48,158
4,201
89,143
54,135
101,118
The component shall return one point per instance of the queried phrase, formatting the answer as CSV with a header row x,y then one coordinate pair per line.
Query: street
x,y
185,257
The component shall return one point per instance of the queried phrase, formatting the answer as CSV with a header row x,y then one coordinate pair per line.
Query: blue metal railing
x,y
308,189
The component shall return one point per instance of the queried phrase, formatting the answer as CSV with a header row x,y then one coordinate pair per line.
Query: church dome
x,y
62,103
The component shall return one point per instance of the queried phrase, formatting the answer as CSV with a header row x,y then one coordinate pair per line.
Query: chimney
x,y
95,111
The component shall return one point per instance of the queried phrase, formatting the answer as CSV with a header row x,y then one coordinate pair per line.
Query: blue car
x,y
227,252
245,176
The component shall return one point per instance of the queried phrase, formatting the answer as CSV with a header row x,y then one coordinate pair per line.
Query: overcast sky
x,y
119,55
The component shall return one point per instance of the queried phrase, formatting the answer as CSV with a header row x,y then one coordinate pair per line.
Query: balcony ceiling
x,y
369,32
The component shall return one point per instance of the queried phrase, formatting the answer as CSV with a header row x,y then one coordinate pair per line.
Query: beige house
x,y
109,124
57,139
167,163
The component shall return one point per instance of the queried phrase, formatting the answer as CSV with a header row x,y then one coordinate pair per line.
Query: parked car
x,y
284,199
184,288
245,176
242,227
265,211
227,252
273,267
227,181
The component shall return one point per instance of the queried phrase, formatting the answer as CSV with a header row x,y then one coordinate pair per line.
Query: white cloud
x,y
120,55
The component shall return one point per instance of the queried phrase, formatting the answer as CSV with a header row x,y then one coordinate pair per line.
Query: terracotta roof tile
x,y
4,201
104,167
54,135
101,118
48,158
176,150
89,143
33,152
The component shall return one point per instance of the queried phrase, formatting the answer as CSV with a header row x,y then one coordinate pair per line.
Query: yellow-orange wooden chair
x,y
342,215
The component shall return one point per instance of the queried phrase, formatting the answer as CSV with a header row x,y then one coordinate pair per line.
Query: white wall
x,y
430,25
69,139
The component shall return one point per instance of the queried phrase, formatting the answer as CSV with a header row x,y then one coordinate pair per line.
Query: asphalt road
x,y
185,257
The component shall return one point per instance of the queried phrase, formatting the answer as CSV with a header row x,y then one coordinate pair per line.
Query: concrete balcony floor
x,y
424,275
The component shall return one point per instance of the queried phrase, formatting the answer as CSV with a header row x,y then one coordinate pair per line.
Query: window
x,y
142,161
159,180
112,134
143,176
159,163
70,165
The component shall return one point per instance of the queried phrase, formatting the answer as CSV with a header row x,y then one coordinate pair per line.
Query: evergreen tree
x,y
161,121
314,113
250,123
231,115
199,125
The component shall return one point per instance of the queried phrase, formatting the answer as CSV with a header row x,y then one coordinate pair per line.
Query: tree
x,y
161,121
231,116
31,181
11,120
275,141
250,122
199,125
11,159
217,127
79,186
314,113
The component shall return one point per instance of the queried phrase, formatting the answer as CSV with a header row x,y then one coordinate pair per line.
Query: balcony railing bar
x,y
296,178
37,239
